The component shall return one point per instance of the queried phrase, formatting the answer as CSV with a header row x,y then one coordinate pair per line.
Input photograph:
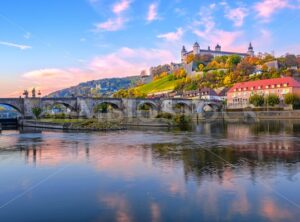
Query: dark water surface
x,y
218,172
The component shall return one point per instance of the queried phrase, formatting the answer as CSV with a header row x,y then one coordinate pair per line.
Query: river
x,y
215,172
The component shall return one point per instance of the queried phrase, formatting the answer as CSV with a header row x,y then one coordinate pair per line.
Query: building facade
x,y
216,52
238,96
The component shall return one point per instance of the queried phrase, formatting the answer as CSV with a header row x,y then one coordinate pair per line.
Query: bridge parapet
x,y
85,106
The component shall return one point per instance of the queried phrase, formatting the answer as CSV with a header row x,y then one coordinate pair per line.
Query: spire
x,y
250,50
183,49
196,44
250,46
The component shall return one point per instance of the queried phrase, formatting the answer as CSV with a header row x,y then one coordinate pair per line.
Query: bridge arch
x,y
66,105
182,107
16,104
147,109
152,105
106,105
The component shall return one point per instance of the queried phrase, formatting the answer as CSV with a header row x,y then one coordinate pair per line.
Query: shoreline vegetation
x,y
161,120
166,120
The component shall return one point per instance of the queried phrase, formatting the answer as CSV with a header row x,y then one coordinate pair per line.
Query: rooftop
x,y
262,84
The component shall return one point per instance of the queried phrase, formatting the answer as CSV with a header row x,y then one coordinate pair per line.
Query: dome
x,y
196,44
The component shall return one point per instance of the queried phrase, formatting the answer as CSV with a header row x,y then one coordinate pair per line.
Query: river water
x,y
215,172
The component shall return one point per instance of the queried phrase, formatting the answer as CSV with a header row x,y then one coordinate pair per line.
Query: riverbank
x,y
95,124
248,115
74,124
162,121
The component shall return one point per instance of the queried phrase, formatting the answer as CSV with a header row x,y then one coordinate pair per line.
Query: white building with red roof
x,y
238,96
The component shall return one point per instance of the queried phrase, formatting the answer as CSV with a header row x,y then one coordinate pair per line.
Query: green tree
x,y
291,99
272,100
233,61
101,108
37,111
256,100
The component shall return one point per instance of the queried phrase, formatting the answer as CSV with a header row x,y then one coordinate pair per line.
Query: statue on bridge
x,y
26,93
33,93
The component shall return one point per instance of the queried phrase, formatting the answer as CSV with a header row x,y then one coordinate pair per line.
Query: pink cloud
x,y
227,39
152,13
172,36
237,15
128,61
266,8
113,24
121,6
206,29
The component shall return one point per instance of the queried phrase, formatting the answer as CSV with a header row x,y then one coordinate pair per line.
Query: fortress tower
x,y
250,50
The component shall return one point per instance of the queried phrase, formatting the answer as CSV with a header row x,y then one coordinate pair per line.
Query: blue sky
x,y
52,44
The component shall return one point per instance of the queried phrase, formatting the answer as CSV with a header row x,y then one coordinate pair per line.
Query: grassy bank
x,y
84,124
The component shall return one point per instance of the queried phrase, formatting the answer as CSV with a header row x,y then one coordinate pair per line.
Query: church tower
x,y
183,54
250,50
196,48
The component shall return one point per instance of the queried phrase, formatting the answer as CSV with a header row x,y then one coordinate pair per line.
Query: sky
x,y
53,44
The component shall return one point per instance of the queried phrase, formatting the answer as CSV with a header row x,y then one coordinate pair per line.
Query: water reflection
x,y
218,172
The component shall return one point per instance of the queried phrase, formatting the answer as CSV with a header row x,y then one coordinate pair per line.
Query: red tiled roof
x,y
291,82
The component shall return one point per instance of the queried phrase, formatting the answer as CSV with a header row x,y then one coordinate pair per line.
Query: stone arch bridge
x,y
85,106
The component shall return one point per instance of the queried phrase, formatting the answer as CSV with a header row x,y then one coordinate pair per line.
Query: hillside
x,y
97,87
167,83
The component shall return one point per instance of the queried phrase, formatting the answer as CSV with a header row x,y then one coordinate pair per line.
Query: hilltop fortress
x,y
192,67
217,52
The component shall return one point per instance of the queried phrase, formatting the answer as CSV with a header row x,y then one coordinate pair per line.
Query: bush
x,y
101,108
37,111
165,115
256,100
291,99
272,100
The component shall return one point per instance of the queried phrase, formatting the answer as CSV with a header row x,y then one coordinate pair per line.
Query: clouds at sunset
x,y
124,62
136,35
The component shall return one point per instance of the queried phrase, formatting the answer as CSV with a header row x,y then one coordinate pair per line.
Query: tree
x,y
180,73
227,80
272,100
233,61
256,100
37,111
201,67
190,58
163,74
291,99
213,65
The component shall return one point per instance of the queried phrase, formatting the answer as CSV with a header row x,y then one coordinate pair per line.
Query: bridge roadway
x,y
85,106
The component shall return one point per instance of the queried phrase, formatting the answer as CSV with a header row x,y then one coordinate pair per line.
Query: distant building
x,y
238,96
272,65
203,93
217,52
